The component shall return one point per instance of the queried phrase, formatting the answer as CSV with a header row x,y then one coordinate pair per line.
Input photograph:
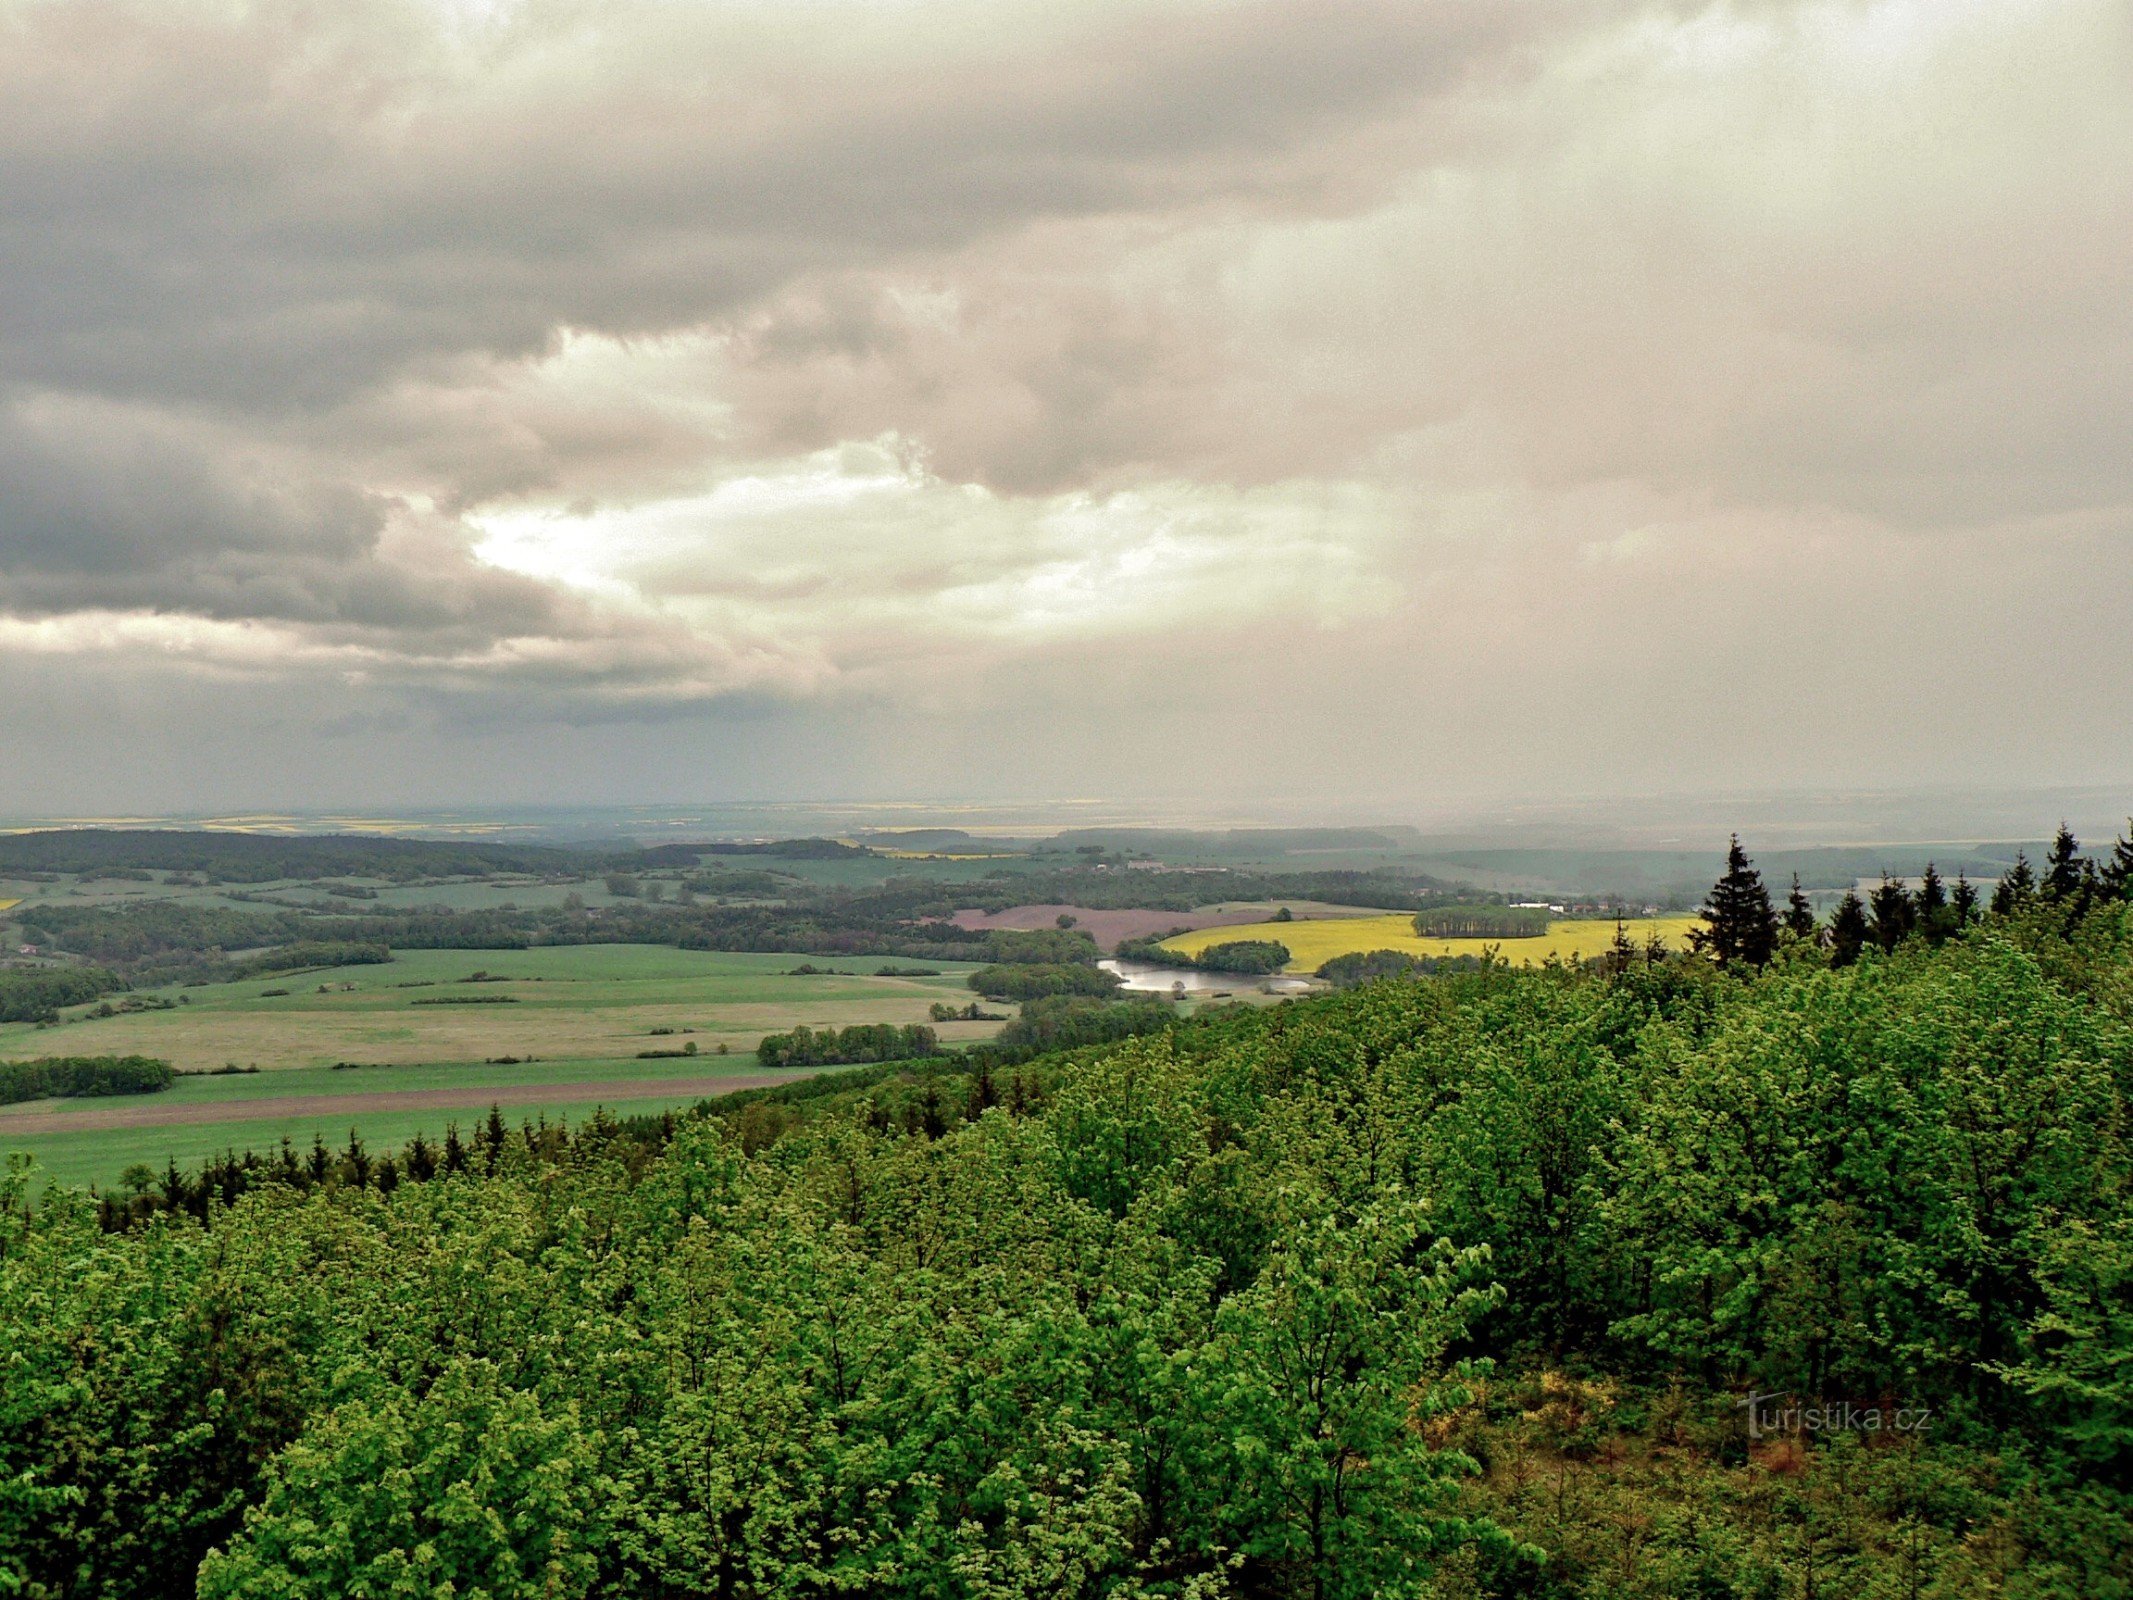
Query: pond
x,y
1145,977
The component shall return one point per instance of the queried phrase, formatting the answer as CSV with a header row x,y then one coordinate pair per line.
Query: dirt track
x,y
145,1112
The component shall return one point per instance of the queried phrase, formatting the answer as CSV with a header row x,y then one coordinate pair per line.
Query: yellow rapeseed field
x,y
1313,943
9,905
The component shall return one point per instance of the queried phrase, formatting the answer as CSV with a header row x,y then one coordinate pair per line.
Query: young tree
x,y
1848,931
1740,924
1799,913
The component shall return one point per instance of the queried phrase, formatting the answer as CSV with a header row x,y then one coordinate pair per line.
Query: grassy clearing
x,y
571,1002
1313,943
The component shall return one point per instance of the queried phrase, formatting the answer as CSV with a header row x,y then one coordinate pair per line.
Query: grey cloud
x,y
120,512
288,207
1569,331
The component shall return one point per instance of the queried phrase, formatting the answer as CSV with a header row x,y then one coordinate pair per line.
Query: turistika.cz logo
x,y
1769,1414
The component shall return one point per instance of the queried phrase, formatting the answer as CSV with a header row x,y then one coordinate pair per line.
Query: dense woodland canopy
x,y
1443,1286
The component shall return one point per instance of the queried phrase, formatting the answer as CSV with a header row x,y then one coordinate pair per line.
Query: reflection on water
x,y
1145,977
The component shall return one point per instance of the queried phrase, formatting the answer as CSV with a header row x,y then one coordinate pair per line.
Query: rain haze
x,y
1321,403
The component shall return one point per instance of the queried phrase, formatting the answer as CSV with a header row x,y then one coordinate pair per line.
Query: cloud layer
x,y
1319,396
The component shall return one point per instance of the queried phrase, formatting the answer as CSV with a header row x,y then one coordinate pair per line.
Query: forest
x,y
1783,1268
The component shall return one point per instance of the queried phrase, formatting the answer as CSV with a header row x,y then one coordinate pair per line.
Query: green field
x,y
99,1155
577,1016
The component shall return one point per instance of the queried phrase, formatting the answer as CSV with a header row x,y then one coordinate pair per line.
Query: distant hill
x,y
1245,842
260,858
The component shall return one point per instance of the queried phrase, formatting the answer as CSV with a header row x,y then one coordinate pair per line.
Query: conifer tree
x,y
1739,921
1963,903
495,1133
1935,920
2016,888
1895,912
355,1161
1799,912
2066,874
2118,871
1847,930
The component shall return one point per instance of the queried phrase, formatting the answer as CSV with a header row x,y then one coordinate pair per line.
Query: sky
x,y
446,402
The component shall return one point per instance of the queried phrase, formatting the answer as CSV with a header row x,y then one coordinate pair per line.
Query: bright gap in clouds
x,y
843,547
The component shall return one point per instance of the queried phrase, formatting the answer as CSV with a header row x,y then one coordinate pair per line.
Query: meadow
x,y
575,1017
1314,942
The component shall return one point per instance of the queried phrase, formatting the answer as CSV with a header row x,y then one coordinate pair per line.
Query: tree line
x,y
69,1077
1742,925
858,1044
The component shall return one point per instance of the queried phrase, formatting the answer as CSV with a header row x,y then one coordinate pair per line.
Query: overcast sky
x,y
440,401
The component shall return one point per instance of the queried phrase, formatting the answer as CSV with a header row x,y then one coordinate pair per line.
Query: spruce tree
x,y
1847,930
2016,888
495,1133
2118,871
2066,874
1894,910
355,1162
1740,924
1963,903
1799,913
1934,919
